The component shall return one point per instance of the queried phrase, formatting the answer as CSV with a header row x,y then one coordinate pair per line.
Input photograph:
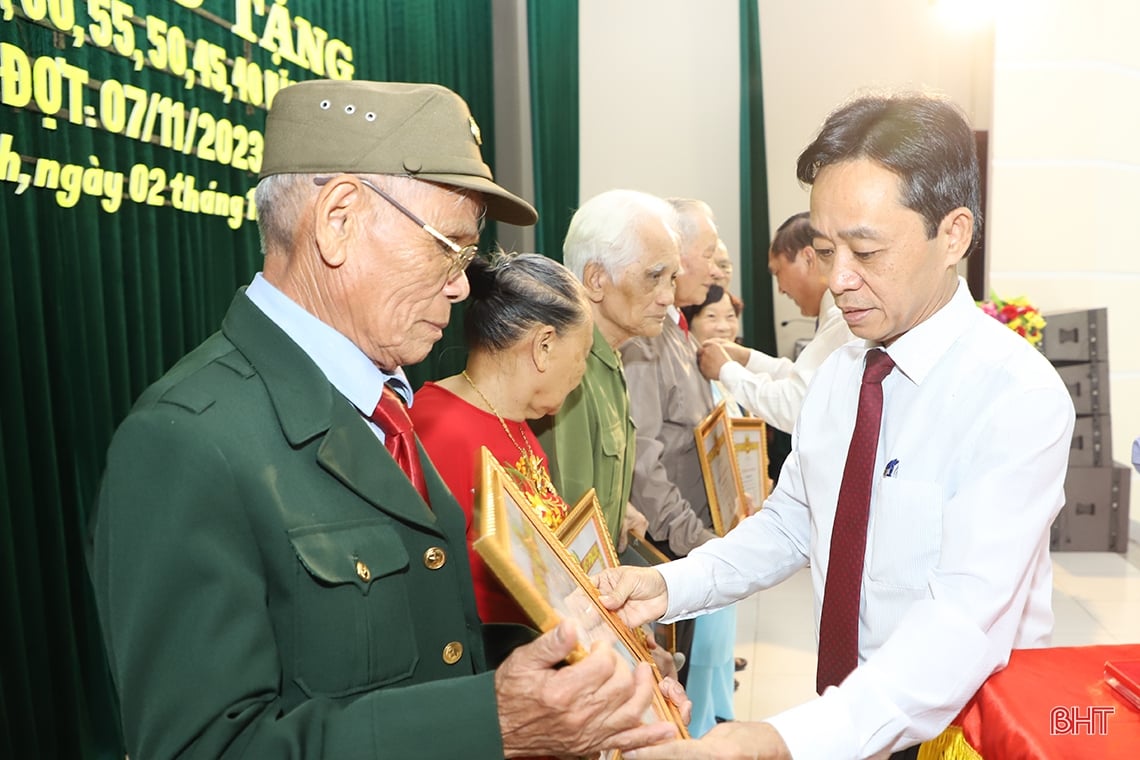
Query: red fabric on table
x,y
1011,716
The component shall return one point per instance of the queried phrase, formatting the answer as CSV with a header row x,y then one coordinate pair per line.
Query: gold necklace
x,y
551,508
527,454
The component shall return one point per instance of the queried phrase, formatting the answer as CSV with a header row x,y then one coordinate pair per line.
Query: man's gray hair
x,y
607,230
279,199
689,213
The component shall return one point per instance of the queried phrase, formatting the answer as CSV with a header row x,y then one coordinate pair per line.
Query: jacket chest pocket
x,y
352,627
611,441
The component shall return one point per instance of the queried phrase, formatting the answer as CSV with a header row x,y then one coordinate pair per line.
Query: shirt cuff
x,y
679,586
799,727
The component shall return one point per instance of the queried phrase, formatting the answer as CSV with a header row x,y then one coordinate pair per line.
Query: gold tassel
x,y
951,744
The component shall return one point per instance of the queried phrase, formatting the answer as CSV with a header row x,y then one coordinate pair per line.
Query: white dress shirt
x,y
976,433
347,367
773,387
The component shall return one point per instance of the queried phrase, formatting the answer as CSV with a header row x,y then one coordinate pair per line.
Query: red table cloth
x,y
1053,704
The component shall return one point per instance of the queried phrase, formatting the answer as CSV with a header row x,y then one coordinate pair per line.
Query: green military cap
x,y
423,131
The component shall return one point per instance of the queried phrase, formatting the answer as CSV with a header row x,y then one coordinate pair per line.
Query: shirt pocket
x,y
611,441
905,533
353,626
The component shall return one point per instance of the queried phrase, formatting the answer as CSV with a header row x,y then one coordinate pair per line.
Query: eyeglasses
x,y
458,256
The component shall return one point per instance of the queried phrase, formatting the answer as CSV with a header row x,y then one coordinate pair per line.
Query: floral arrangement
x,y
1017,314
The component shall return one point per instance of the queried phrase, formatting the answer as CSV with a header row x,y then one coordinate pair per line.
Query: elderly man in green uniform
x,y
623,246
279,570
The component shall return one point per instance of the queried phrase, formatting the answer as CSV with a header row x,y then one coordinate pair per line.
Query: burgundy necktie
x,y
839,620
399,437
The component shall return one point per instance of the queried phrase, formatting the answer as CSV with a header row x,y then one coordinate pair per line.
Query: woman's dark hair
x,y
715,294
514,292
925,140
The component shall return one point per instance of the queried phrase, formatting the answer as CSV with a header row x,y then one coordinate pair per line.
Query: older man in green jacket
x,y
279,570
623,246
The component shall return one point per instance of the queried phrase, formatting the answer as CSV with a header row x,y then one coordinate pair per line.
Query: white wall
x,y
660,94
1065,177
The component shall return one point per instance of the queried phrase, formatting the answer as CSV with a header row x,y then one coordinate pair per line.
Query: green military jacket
x,y
591,440
269,583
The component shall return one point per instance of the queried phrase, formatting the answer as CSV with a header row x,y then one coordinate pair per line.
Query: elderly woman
x,y
528,331
717,318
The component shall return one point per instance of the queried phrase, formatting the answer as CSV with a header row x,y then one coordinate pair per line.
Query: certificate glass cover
x,y
719,471
750,445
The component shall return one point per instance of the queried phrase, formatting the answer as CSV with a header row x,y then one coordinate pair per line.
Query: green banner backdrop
x,y
130,135
552,44
756,282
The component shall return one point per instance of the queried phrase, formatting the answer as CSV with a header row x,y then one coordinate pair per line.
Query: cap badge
x,y
475,131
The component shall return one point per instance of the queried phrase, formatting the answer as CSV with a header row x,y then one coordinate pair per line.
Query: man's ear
x,y
958,228
594,279
337,218
542,346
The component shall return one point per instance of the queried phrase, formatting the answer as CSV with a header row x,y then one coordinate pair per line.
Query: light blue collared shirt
x,y
351,372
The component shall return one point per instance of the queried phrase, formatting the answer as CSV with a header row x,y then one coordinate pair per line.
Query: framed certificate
x,y
586,537
750,443
719,470
547,582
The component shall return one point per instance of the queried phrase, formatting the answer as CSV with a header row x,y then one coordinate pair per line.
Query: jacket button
x,y
434,558
363,572
452,652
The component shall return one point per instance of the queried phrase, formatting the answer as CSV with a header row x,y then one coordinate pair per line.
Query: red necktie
x,y
684,323
399,437
839,620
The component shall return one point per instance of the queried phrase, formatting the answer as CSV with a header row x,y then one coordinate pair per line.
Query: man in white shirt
x,y
961,483
773,387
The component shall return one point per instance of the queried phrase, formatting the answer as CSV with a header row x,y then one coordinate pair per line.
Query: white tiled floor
x,y
1096,600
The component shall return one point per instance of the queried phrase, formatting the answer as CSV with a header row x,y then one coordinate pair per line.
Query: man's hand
x,y
634,522
712,356
675,693
637,594
726,741
597,703
662,657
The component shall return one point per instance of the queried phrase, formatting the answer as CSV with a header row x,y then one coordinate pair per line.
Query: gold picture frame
x,y
547,582
586,537
750,443
719,470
